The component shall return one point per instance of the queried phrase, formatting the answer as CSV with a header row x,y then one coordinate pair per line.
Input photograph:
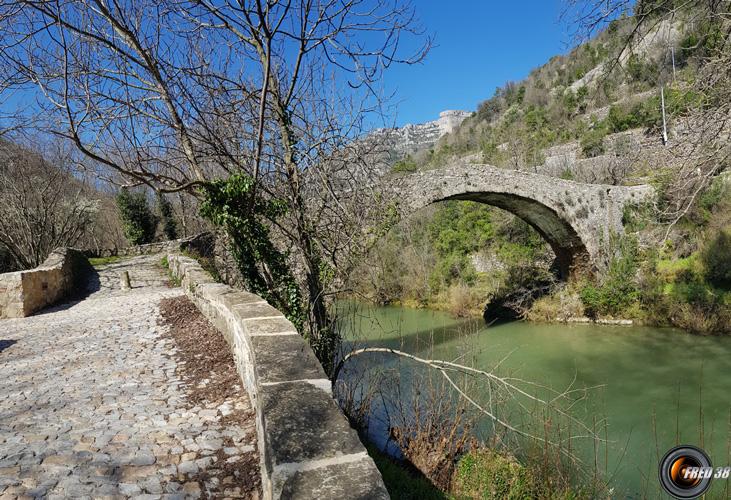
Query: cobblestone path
x,y
91,406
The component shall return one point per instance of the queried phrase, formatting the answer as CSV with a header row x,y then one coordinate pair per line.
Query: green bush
x,y
637,217
407,165
484,474
715,198
679,102
619,291
642,71
138,221
592,142
623,117
717,261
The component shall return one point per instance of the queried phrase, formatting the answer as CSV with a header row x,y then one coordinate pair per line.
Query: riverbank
x,y
645,382
482,473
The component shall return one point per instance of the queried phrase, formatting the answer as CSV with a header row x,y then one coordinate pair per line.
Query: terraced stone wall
x,y
308,449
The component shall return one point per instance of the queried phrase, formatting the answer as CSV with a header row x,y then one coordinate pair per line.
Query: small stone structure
x,y
24,292
307,448
577,219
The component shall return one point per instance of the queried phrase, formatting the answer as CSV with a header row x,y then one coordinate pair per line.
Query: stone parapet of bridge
x,y
62,275
578,220
307,448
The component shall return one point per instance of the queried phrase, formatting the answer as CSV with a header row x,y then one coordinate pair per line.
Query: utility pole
x,y
664,123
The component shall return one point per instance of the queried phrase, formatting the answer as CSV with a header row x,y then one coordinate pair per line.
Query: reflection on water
x,y
643,371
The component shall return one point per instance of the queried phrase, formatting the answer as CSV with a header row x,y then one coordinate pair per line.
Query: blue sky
x,y
481,44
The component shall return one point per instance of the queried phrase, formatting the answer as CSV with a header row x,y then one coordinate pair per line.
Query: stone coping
x,y
307,448
23,293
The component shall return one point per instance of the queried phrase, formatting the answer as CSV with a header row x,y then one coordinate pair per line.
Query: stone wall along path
x,y
91,406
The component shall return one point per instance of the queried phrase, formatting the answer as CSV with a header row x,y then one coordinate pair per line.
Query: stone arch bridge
x,y
576,219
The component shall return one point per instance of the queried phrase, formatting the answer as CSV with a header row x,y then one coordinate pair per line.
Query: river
x,y
642,372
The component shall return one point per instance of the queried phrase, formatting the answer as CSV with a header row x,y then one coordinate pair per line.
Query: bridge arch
x,y
576,219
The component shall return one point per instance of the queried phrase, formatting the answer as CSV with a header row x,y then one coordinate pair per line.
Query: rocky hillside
x,y
585,115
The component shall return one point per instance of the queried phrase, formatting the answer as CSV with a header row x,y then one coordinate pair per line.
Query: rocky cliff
x,y
411,138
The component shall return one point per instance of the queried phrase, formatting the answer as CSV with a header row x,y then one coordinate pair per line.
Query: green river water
x,y
642,371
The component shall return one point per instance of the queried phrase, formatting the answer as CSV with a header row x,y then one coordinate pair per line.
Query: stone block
x,y
269,326
303,422
359,480
285,357
239,298
253,310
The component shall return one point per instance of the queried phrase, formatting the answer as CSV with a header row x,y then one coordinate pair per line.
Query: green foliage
x,y
715,198
717,260
643,114
461,229
619,290
704,41
592,142
677,291
138,221
567,174
680,102
227,204
170,227
642,71
490,152
637,217
407,165
485,474
456,231
104,261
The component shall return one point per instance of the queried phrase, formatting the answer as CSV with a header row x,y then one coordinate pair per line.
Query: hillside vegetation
x,y
592,115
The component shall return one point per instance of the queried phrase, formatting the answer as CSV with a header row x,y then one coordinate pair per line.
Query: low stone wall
x,y
24,292
307,448
201,243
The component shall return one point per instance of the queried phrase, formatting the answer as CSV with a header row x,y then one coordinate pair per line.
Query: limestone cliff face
x,y
411,138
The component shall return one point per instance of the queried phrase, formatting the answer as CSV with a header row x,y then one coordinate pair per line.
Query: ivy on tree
x,y
227,204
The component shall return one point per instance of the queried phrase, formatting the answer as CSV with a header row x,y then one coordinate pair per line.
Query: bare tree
x,y
175,93
42,207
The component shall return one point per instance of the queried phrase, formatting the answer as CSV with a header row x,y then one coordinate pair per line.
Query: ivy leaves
x,y
227,204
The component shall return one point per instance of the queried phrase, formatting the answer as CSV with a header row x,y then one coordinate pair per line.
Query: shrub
x,y
637,217
716,259
592,142
486,474
138,221
642,71
567,174
623,117
463,301
407,165
619,291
